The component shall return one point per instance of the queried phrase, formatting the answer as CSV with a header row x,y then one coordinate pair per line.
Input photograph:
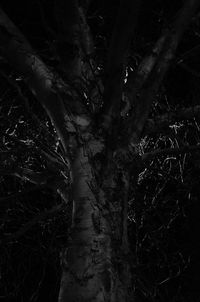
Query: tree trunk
x,y
92,268
95,266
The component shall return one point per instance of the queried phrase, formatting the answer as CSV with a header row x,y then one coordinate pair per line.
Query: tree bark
x,y
92,263
90,269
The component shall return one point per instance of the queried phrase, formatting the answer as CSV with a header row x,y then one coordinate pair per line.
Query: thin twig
x,y
169,151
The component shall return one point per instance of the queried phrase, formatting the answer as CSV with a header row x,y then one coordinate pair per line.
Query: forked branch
x,y
40,79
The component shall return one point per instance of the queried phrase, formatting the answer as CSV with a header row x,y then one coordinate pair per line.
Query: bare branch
x,y
169,151
137,79
162,122
151,85
74,41
67,19
191,52
46,178
122,34
59,183
189,69
39,78
86,40
30,113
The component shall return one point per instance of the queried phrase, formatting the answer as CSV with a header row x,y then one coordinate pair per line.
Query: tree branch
x,y
68,47
42,82
30,113
162,122
191,52
38,178
189,69
169,151
121,37
59,183
151,85
74,42
137,79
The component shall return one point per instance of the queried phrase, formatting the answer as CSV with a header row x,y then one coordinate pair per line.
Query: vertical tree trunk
x,y
90,270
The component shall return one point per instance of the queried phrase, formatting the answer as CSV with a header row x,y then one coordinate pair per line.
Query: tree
x,y
101,115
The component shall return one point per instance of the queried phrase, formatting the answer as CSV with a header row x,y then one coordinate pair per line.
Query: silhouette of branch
x,y
154,76
169,151
162,122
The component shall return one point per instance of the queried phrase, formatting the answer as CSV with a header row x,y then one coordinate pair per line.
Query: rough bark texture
x,y
92,264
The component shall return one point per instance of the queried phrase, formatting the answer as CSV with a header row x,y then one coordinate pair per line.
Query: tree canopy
x,y
163,200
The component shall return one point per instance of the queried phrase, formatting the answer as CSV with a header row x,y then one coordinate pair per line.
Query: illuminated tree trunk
x,y
92,268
